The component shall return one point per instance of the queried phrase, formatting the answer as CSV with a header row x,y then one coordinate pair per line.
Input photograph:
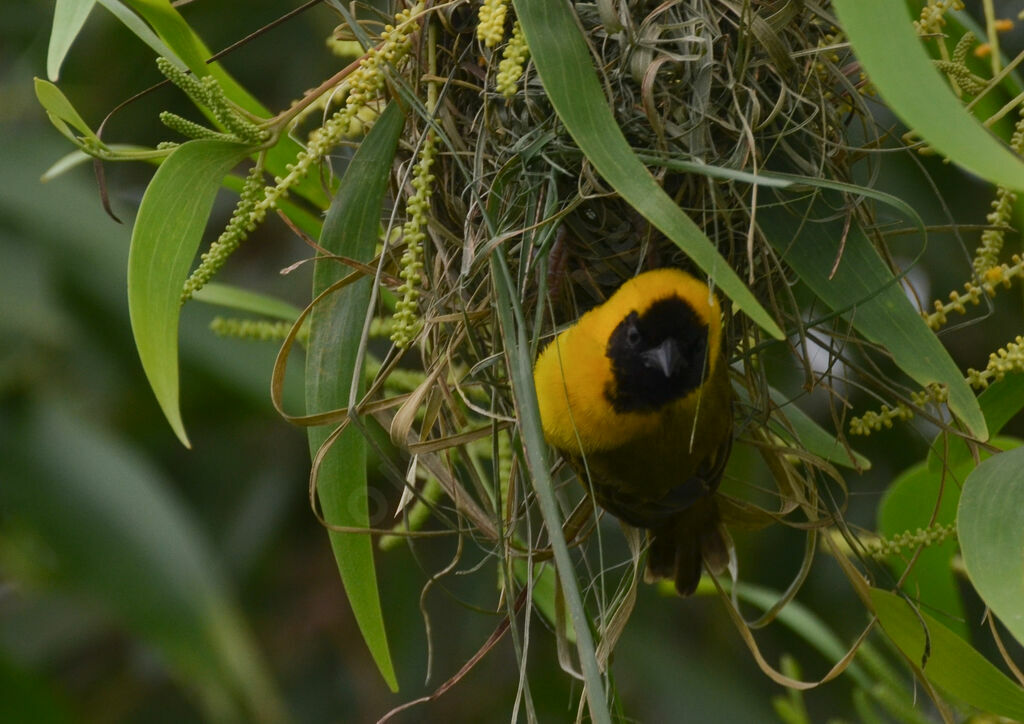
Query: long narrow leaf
x,y
167,233
883,38
68,18
865,291
226,295
947,660
335,325
563,62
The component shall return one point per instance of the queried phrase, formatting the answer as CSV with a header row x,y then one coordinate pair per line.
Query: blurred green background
x,y
140,581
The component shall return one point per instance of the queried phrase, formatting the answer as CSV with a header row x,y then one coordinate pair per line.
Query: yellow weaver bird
x,y
636,396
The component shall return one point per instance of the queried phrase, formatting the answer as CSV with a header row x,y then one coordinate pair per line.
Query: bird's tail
x,y
679,548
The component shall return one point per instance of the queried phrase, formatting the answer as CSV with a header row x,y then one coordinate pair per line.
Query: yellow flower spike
x,y
1003,274
406,319
491,26
882,547
1001,362
871,421
258,330
963,46
931,18
365,85
511,67
236,231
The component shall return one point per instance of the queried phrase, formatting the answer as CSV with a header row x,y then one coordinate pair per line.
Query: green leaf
x,y
909,504
226,295
865,291
951,664
890,51
563,62
335,328
68,18
167,233
113,534
59,107
991,526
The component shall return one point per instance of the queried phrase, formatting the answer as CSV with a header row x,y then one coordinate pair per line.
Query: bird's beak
x,y
665,357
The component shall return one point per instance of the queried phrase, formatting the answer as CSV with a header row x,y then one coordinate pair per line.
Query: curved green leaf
x,y
68,18
563,62
59,108
951,663
165,238
801,429
864,289
335,328
886,45
991,526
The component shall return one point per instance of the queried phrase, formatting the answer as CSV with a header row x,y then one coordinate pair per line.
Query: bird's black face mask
x,y
657,357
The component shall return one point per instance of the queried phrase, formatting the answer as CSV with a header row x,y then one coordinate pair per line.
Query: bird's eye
x,y
633,336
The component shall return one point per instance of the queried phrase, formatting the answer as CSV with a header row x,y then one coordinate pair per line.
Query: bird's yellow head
x,y
603,381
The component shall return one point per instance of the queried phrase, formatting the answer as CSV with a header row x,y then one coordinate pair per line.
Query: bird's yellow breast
x,y
573,374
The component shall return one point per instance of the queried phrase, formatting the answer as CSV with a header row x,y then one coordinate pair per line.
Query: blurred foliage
x,y
140,581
